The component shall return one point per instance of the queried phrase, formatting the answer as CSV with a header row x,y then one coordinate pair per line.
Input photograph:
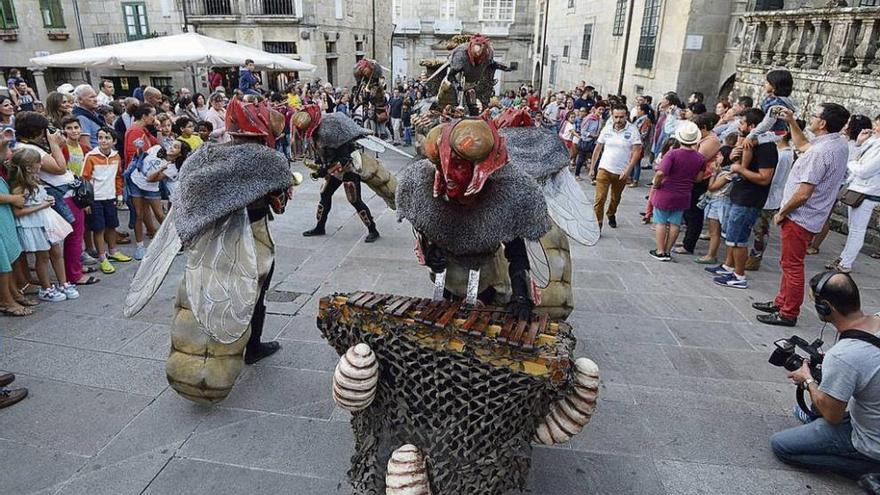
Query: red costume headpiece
x,y
514,117
365,68
250,120
466,152
307,120
485,50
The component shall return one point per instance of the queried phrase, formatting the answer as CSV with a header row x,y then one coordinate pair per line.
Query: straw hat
x,y
687,133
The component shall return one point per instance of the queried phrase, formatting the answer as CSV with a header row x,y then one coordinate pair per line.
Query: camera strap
x,y
861,335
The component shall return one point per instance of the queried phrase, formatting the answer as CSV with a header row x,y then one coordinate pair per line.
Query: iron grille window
x,y
282,47
7,15
553,71
218,7
619,18
53,16
565,51
869,3
769,4
587,42
648,34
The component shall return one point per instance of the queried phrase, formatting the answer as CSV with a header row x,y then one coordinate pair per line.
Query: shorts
x,y
103,215
716,208
136,192
738,224
671,217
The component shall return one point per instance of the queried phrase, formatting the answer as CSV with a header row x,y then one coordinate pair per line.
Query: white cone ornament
x,y
569,415
355,378
407,473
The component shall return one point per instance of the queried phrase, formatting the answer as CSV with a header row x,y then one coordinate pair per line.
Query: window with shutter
x,y
587,42
7,15
53,16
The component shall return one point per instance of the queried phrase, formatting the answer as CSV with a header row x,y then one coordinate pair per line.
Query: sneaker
x,y
51,295
731,280
107,267
119,256
86,259
802,415
69,291
718,270
660,256
139,253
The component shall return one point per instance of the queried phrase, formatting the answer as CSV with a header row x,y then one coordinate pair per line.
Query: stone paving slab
x,y
687,400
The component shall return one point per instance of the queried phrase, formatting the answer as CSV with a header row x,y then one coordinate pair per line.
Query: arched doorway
x,y
727,88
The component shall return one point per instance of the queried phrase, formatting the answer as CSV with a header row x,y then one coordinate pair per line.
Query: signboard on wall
x,y
693,42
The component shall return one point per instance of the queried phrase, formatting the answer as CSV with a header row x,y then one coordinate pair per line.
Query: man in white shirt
x,y
105,95
619,146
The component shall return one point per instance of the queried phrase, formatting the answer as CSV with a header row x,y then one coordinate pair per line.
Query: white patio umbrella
x,y
176,52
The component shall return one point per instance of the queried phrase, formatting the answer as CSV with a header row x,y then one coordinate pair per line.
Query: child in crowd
x,y
10,249
778,86
103,167
185,129
75,151
173,157
569,136
145,178
164,126
716,200
39,227
205,129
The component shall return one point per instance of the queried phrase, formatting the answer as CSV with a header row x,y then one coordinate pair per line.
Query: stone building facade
x,y
421,31
330,34
673,45
31,28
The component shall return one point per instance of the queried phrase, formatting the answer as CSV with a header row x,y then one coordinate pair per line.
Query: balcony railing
x,y
839,41
212,7
271,7
103,39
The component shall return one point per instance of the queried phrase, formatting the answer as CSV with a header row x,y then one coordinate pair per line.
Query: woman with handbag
x,y
32,131
861,195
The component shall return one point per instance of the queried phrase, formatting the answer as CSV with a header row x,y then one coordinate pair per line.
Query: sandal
x,y
876,255
833,265
681,250
705,261
89,269
16,311
29,290
90,280
811,250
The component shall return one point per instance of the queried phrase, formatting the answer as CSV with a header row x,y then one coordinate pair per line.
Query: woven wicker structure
x,y
470,403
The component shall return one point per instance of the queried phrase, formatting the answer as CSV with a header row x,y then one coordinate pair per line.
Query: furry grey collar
x,y
538,152
511,205
219,179
337,129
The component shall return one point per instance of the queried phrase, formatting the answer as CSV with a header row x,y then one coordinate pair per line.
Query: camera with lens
x,y
785,356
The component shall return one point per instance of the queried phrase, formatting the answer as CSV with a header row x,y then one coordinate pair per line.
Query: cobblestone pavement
x,y
687,403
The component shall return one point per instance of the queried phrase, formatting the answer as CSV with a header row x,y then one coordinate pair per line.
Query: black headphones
x,y
823,308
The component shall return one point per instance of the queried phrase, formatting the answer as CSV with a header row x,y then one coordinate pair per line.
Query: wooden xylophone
x,y
488,321
540,347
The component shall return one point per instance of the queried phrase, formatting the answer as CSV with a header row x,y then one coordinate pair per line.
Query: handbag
x,y
83,193
851,198
57,229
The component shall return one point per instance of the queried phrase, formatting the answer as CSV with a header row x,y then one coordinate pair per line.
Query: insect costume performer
x,y
225,197
339,159
471,66
493,207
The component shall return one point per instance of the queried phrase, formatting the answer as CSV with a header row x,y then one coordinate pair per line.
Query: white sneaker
x,y
69,291
51,295
87,259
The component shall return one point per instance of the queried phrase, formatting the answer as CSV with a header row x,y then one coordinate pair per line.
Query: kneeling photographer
x,y
846,442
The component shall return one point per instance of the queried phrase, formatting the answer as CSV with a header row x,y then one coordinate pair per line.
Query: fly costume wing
x,y
152,271
222,278
539,264
569,208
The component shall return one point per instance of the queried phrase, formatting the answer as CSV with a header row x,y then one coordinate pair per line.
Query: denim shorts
x,y
136,192
671,217
716,208
738,224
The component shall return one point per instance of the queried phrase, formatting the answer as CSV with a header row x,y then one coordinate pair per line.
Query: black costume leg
x,y
331,184
352,183
694,217
256,349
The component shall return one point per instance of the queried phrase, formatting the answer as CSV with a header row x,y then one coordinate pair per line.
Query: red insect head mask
x,y
466,152
479,49
514,117
365,68
250,120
